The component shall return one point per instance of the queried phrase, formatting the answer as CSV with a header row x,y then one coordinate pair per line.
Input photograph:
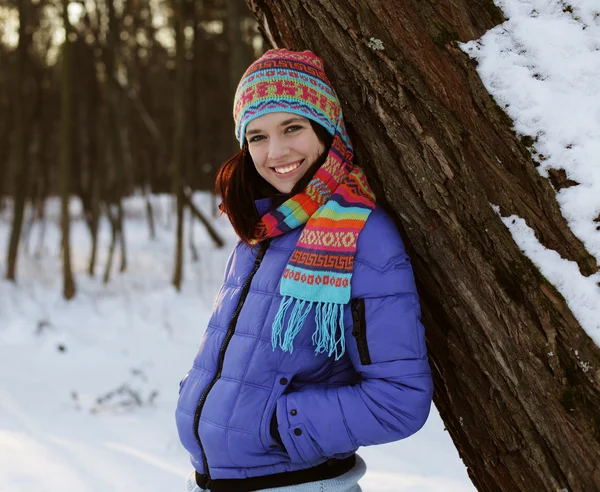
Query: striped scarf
x,y
334,206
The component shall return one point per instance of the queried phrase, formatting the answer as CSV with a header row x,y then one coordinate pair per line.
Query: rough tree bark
x,y
517,380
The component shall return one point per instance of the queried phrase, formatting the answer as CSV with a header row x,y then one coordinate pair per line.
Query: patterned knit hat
x,y
289,82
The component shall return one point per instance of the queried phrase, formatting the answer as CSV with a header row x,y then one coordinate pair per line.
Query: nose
x,y
278,149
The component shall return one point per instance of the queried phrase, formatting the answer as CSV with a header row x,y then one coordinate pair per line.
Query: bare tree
x,y
21,162
114,208
179,136
516,377
66,150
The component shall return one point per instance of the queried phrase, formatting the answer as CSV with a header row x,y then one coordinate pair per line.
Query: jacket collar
x,y
263,205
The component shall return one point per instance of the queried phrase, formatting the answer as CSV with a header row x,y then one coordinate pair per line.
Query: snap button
x,y
283,381
298,432
293,412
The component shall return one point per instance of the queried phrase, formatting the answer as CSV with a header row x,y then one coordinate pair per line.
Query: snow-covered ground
x,y
88,387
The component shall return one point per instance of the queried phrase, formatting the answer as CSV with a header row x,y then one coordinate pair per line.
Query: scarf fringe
x,y
328,317
278,322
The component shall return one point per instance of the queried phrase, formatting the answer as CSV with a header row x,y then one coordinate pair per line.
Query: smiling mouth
x,y
287,169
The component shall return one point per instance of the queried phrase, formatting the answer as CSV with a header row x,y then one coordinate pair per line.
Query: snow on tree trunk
x,y
517,380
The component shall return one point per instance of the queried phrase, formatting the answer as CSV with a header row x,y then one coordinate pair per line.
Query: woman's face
x,y
283,147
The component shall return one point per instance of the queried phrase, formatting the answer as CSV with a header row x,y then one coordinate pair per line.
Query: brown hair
x,y
239,185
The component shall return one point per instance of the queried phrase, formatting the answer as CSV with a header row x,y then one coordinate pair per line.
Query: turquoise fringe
x,y
328,317
278,322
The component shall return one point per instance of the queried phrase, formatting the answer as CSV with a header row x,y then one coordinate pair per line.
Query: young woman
x,y
315,345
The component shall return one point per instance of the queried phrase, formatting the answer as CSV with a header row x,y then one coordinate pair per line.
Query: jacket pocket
x,y
305,448
359,330
282,381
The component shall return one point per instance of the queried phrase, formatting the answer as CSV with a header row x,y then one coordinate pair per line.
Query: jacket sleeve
x,y
392,399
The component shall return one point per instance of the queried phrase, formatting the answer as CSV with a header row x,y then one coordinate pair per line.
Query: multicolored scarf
x,y
333,208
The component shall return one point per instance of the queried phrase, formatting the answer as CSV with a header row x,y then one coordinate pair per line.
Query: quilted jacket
x,y
379,391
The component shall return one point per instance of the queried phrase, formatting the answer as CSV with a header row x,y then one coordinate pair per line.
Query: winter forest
x,y
478,126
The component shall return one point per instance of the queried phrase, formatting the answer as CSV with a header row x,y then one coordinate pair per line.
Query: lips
x,y
287,168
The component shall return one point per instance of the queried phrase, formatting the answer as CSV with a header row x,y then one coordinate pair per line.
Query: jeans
x,y
348,482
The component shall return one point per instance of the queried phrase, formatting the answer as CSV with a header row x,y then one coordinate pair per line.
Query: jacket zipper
x,y
359,330
230,331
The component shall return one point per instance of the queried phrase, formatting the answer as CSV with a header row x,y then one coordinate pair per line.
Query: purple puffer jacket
x,y
379,391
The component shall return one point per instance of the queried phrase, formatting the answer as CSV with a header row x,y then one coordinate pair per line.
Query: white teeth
x,y
287,169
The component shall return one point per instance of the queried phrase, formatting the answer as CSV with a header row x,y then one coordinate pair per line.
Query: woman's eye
x,y
289,129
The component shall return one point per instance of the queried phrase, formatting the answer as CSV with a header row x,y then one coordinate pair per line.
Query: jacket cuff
x,y
301,425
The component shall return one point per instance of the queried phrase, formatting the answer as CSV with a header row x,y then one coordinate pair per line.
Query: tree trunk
x,y
237,58
179,143
89,180
66,151
516,378
115,127
44,174
21,161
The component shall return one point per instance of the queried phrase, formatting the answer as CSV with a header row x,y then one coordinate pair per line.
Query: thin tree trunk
x,y
21,162
237,58
192,245
116,133
195,75
94,187
37,147
516,378
179,143
149,210
89,189
41,217
44,175
114,234
66,151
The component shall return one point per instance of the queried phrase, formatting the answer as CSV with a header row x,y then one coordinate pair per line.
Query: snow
x,y
542,66
89,386
581,293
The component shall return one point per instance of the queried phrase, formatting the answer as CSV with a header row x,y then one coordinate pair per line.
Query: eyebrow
x,y
283,123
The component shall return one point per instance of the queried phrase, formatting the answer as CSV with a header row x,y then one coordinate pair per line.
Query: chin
x,y
285,191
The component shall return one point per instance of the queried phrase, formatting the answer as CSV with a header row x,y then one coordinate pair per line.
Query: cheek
x,y
258,159
313,148
319,148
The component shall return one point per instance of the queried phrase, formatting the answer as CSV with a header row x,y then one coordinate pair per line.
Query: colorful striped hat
x,y
286,81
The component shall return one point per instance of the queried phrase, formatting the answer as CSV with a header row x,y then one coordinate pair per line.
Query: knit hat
x,y
289,82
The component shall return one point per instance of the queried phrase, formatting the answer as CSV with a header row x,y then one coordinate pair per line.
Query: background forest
x,y
104,99
114,118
